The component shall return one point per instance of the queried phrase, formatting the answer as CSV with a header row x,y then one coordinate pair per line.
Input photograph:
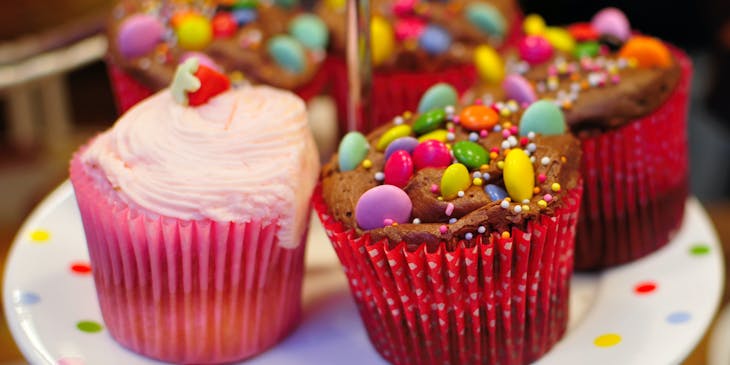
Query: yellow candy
x,y
533,24
519,175
560,39
194,32
392,134
456,178
382,40
335,4
489,64
439,135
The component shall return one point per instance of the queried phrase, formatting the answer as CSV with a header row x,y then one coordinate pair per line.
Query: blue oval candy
x,y
353,149
435,40
437,96
495,192
287,52
487,18
542,117
407,144
310,30
244,16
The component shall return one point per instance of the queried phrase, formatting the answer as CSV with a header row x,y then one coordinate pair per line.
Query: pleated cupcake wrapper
x,y
188,291
492,300
636,183
128,91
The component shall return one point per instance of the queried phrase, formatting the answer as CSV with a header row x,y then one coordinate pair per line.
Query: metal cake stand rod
x,y
359,73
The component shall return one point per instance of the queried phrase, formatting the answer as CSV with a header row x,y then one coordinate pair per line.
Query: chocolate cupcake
x,y
455,228
625,96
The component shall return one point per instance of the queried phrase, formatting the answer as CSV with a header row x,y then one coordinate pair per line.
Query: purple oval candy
x,y
203,59
519,89
381,203
138,35
401,144
612,21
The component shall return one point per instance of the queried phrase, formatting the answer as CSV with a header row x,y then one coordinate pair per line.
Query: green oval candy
x,y
487,18
310,30
287,52
288,4
353,149
542,117
471,154
245,4
437,97
586,49
429,121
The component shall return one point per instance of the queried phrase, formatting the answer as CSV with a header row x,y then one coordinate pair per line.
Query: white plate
x,y
653,311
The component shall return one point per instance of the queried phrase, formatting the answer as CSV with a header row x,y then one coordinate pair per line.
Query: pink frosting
x,y
246,154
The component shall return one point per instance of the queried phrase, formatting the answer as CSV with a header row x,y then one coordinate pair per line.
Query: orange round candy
x,y
478,117
647,51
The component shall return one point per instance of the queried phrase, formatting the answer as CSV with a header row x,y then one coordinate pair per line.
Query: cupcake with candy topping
x,y
455,227
416,44
261,42
195,206
625,96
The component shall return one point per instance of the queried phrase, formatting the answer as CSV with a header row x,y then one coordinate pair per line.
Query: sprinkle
x,y
449,109
506,234
484,167
493,155
452,220
542,204
398,120
505,145
531,147
545,161
524,141
517,208
441,198
525,201
500,165
525,208
532,159
416,221
476,174
531,135
541,178
512,141
468,236
460,194
555,187
506,133
407,114
449,209
512,105
505,112
497,128
450,136
483,133
379,176
456,119
477,181
563,159
536,190
481,229
387,222
367,163
547,197
434,188
443,229
486,176
504,204
473,137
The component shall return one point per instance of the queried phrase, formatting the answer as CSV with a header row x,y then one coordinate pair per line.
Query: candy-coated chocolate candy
x,y
533,24
456,178
489,64
381,204
431,153
401,144
612,21
194,32
560,39
487,18
244,16
429,121
310,30
383,40
495,192
517,88
353,149
287,52
437,135
647,51
138,35
519,175
398,169
212,83
471,154
478,117
586,49
224,25
409,28
542,117
403,8
535,49
437,96
434,40
391,135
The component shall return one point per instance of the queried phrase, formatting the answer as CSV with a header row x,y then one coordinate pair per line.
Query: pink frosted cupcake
x,y
196,218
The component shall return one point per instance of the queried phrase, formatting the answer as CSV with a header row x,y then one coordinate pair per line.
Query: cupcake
x,y
261,42
625,96
416,44
455,228
195,206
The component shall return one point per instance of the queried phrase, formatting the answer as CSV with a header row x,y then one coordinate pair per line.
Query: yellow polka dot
x,y
40,236
607,340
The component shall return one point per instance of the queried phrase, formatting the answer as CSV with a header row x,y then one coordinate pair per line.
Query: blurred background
x,y
54,95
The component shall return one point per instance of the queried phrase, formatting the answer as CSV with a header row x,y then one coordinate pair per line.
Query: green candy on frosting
x,y
287,52
542,117
310,30
487,18
437,96
353,150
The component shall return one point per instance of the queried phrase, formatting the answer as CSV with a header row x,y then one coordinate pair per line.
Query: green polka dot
x,y
89,326
40,236
699,249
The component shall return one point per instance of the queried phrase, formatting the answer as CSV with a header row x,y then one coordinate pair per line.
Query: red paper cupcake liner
x,y
491,300
128,91
188,291
636,183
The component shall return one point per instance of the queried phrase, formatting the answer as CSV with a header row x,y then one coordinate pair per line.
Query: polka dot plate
x,y
652,311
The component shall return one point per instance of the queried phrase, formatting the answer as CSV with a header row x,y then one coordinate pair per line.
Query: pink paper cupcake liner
x,y
187,291
636,183
491,300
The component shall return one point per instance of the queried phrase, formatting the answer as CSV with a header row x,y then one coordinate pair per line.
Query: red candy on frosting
x,y
212,83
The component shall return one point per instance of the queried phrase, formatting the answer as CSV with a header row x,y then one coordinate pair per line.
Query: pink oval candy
x,y
535,49
398,169
612,21
409,28
383,205
403,7
519,89
431,153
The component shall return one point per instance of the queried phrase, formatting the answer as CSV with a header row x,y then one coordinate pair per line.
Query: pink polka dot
x,y
645,287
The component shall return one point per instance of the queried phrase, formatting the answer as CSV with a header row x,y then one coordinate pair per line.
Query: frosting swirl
x,y
246,154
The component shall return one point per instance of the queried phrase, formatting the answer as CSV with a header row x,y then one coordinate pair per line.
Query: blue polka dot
x,y
26,298
678,317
